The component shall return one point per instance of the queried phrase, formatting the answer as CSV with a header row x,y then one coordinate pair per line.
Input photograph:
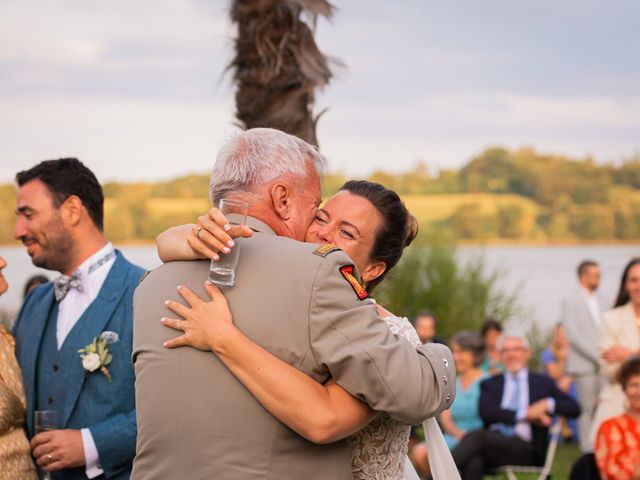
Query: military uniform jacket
x,y
197,421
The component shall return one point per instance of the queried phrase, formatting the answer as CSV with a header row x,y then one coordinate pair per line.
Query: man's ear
x,y
281,199
72,210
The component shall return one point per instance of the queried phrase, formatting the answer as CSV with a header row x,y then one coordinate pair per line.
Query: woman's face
x,y
350,222
632,391
462,357
491,338
633,284
3,281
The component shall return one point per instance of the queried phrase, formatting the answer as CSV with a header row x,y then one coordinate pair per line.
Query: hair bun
x,y
411,229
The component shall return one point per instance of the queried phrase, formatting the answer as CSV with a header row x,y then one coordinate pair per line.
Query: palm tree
x,y
278,66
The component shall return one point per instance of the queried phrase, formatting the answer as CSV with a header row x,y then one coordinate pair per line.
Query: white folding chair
x,y
544,471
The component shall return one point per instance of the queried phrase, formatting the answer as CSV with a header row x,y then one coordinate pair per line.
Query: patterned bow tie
x,y
63,284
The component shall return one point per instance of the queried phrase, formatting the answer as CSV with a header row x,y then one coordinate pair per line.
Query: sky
x,y
137,90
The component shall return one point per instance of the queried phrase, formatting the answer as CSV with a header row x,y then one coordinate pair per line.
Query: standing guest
x,y
426,325
620,340
516,408
554,362
490,331
617,449
15,454
582,322
60,222
32,283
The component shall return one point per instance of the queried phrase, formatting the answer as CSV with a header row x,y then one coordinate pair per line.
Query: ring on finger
x,y
198,232
50,458
179,324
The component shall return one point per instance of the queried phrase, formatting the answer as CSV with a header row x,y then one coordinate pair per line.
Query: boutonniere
x,y
96,355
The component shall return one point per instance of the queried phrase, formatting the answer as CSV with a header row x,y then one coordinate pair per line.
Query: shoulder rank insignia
x,y
347,273
325,249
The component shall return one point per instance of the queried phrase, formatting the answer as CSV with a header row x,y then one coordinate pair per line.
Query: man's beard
x,y
56,253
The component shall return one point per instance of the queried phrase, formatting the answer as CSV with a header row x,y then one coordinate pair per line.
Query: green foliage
x,y
461,296
7,217
499,194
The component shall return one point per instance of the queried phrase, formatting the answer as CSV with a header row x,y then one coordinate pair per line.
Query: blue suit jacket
x,y
540,386
107,409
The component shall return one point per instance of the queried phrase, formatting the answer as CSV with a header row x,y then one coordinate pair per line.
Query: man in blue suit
x,y
88,308
516,408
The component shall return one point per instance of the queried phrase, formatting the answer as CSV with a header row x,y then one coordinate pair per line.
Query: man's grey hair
x,y
253,158
512,334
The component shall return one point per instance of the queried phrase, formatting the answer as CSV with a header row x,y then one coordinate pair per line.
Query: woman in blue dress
x,y
469,352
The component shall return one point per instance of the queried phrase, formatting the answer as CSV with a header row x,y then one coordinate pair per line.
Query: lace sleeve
x,y
401,326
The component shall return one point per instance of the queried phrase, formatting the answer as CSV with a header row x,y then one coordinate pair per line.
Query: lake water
x,y
540,274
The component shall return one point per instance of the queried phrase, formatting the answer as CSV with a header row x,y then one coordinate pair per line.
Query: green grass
x,y
566,455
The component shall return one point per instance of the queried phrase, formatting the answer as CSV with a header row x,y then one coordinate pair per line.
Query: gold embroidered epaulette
x,y
326,249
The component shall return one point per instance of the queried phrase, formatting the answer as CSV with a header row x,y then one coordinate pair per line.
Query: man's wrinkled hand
x,y
57,449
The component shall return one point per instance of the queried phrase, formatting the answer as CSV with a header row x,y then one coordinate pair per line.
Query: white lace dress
x,y
379,450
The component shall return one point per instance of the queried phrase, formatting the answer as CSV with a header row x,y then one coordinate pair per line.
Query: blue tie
x,y
514,403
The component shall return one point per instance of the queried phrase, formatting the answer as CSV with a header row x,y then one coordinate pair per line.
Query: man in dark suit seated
x,y
516,408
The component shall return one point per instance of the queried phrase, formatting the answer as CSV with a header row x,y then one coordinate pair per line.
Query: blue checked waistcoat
x,y
55,379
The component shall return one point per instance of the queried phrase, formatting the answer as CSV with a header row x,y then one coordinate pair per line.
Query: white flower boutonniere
x,y
96,355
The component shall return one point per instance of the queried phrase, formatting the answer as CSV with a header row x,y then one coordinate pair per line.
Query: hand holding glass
x,y
44,421
223,271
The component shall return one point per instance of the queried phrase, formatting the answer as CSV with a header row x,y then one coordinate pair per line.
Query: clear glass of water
x,y
223,271
44,421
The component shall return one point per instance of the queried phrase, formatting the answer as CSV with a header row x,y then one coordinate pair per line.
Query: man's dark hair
x,y
65,177
490,324
586,265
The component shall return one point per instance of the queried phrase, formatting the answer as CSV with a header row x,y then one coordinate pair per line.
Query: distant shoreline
x,y
462,243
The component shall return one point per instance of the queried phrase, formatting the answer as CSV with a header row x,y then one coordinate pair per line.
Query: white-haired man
x,y
516,408
195,419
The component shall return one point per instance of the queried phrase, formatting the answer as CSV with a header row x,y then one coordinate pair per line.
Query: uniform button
x,y
446,362
55,368
50,400
446,380
448,398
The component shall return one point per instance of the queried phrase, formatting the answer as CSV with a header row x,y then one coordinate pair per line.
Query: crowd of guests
x,y
589,381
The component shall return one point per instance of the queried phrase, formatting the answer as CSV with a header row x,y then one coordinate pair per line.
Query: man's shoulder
x,y
36,296
133,272
176,271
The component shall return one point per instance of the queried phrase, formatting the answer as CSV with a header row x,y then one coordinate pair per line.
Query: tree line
x,y
499,194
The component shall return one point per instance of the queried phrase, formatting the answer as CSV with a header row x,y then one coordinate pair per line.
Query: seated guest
x,y
516,408
468,353
554,364
463,416
617,448
490,331
15,452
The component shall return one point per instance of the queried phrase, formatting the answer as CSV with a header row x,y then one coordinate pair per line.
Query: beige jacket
x,y
197,421
618,328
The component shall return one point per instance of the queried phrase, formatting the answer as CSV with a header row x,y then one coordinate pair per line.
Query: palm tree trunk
x,y
278,67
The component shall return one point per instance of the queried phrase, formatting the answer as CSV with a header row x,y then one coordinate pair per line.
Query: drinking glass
x,y
223,271
44,421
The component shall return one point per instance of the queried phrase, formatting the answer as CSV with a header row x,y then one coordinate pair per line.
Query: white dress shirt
x,y
522,427
70,309
594,309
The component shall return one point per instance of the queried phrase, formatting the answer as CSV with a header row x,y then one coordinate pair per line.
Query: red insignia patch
x,y
347,273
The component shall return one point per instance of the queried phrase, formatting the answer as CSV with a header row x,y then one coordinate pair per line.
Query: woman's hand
x,y
213,234
616,354
206,324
